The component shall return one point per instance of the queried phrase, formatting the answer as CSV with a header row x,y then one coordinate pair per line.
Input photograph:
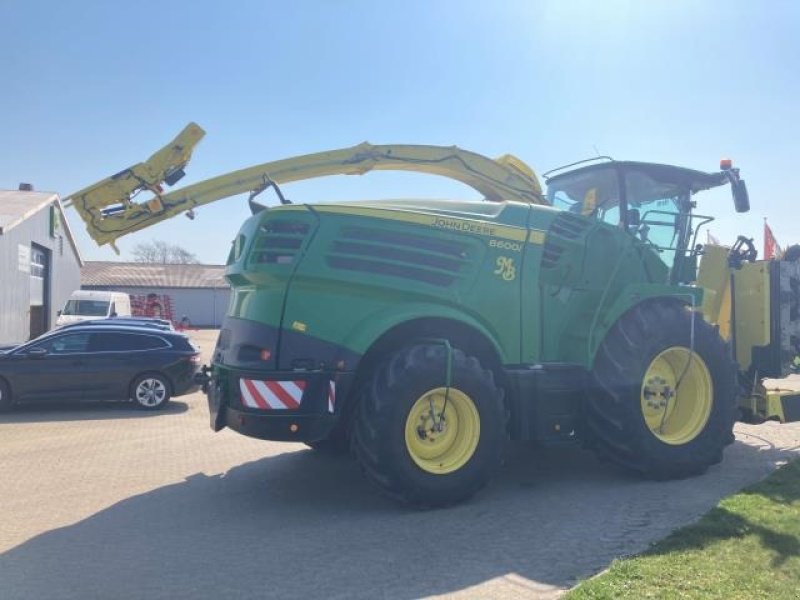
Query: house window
x,y
38,262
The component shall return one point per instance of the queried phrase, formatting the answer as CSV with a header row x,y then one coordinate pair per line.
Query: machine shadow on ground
x,y
302,524
85,411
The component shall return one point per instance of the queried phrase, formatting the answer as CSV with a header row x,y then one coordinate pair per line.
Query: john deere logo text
x,y
466,226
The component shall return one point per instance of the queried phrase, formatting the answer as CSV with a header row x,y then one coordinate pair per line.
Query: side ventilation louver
x,y
551,254
568,226
565,228
279,242
420,258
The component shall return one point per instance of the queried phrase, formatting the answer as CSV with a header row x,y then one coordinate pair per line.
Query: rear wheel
x,y
5,397
422,442
658,408
150,391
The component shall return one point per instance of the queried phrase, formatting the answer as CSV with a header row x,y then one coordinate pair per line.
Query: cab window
x,y
661,222
593,194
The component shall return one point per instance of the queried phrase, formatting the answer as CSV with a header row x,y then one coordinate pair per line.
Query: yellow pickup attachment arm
x,y
110,211
108,205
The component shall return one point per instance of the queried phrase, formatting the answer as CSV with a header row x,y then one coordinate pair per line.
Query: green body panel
x,y
348,273
354,301
590,274
258,290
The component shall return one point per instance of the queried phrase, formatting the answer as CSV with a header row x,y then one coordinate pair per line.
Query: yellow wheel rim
x,y
677,395
442,439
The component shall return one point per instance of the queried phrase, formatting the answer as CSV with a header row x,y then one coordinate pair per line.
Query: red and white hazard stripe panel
x,y
278,395
271,395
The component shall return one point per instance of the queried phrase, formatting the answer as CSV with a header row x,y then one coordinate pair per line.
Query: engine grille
x,y
568,226
415,257
565,228
279,242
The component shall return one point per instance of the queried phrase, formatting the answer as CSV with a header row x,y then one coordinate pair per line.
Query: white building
x,y
198,292
39,263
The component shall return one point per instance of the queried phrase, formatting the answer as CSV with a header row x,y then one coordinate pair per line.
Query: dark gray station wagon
x,y
109,362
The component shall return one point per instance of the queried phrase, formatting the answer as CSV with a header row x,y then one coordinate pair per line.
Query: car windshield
x,y
86,308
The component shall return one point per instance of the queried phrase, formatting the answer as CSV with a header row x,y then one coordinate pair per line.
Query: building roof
x,y
16,206
124,274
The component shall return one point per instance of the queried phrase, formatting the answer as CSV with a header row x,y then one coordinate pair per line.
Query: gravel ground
x,y
101,502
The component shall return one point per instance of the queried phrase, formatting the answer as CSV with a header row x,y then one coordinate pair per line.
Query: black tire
x,y
792,253
615,421
379,432
6,403
155,383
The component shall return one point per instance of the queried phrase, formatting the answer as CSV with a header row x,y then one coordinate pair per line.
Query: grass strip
x,y
748,546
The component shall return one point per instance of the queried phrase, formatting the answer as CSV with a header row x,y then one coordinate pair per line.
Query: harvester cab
x,y
653,202
752,303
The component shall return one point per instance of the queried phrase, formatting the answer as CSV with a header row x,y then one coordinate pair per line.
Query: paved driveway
x,y
110,502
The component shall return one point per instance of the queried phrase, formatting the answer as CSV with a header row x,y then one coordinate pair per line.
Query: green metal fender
x,y
374,326
633,295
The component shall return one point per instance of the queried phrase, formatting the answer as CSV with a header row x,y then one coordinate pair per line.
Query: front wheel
x,y
423,442
150,391
664,400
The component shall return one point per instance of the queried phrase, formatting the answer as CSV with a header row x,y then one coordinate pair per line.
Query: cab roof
x,y
692,179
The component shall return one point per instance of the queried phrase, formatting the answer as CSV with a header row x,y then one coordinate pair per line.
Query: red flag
x,y
771,248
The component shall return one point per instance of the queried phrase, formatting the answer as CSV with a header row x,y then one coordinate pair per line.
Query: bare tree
x,y
160,252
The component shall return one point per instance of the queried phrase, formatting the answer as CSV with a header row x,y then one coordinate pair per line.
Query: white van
x,y
84,305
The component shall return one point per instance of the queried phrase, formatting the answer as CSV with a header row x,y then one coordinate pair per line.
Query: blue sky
x,y
90,87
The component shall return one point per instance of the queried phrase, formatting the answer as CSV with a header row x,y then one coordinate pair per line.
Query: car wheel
x,y
5,397
150,391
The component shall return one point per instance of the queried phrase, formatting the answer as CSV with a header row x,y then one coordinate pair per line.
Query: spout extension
x,y
113,199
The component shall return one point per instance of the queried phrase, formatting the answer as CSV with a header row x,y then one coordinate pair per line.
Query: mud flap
x,y
216,410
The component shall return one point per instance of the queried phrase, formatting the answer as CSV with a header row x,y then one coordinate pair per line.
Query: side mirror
x,y
112,315
741,199
37,352
634,218
58,313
